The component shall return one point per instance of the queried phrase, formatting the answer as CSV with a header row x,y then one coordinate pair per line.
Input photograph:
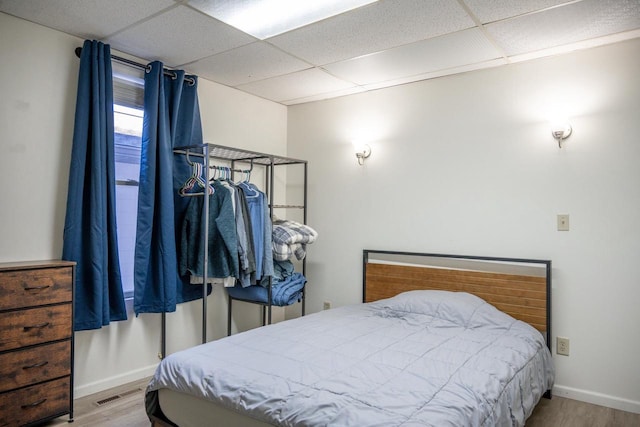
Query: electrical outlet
x,y
562,346
326,305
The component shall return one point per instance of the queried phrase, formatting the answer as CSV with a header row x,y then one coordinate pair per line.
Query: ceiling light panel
x,y
267,18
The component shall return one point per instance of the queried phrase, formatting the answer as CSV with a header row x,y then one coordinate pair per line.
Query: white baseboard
x,y
115,381
597,398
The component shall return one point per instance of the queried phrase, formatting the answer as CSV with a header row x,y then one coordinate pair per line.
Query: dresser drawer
x,y
34,365
34,326
27,288
34,403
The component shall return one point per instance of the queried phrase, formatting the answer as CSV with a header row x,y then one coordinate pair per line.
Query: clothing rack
x,y
214,152
146,68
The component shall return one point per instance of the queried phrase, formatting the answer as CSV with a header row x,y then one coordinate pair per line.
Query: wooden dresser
x,y
36,341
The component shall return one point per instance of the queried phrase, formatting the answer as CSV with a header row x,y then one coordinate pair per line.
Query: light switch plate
x,y
563,222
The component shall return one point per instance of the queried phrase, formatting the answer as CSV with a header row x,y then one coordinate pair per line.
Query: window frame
x,y
128,105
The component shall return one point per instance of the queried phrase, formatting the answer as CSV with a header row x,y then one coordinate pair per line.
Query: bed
x,y
439,340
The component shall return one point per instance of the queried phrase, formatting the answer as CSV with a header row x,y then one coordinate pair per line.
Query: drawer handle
x,y
34,404
36,365
40,326
36,288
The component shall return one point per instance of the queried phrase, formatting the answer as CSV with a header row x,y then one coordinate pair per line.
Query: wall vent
x,y
107,400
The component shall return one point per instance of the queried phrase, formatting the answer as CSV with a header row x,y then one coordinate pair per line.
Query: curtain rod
x,y
147,68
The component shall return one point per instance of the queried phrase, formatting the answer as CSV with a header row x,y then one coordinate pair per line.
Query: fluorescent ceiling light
x,y
268,18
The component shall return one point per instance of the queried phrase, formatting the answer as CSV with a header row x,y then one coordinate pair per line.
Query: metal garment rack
x,y
210,153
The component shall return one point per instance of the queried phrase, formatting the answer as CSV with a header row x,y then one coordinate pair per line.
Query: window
x,y
128,110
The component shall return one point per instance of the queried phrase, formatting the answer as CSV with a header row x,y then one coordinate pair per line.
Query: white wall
x,y
38,78
466,165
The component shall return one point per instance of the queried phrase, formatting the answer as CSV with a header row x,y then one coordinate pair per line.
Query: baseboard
x,y
597,398
115,381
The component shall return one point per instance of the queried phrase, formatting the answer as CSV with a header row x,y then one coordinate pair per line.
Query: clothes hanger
x,y
248,172
195,178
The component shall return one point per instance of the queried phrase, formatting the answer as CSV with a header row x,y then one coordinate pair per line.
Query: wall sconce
x,y
363,151
560,132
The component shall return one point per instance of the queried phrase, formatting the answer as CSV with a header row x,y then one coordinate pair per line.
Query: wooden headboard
x,y
518,287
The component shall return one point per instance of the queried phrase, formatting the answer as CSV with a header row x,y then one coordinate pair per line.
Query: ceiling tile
x,y
179,36
89,19
451,50
567,24
433,74
326,95
387,43
585,44
252,62
296,85
372,28
495,10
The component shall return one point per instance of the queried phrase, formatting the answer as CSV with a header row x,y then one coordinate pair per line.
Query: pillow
x,y
461,308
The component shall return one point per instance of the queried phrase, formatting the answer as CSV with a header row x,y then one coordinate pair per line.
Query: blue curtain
x,y
171,119
90,236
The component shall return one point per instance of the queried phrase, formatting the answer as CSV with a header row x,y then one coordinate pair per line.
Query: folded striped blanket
x,y
291,238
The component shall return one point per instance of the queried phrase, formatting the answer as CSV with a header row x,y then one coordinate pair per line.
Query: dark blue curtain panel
x,y
90,237
171,119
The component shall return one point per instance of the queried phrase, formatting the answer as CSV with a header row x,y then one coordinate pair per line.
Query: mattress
x,y
431,358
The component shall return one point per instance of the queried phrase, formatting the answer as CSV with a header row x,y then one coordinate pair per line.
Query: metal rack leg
x,y
163,344
229,315
304,298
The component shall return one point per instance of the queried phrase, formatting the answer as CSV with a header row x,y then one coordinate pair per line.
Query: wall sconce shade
x,y
362,153
560,132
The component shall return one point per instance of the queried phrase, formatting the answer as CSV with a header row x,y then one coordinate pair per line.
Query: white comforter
x,y
422,358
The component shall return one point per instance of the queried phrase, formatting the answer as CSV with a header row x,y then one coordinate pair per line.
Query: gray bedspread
x,y
422,358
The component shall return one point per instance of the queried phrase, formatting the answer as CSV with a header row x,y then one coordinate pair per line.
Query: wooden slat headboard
x,y
518,287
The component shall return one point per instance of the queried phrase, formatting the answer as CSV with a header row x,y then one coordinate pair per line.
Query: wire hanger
x,y
247,173
250,189
195,178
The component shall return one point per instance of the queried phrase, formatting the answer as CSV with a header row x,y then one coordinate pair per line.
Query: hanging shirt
x,y
260,230
222,243
245,240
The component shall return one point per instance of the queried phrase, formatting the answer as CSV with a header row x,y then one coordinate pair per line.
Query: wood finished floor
x,y
128,411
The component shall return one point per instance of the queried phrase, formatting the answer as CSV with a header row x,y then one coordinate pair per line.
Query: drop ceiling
x,y
382,44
